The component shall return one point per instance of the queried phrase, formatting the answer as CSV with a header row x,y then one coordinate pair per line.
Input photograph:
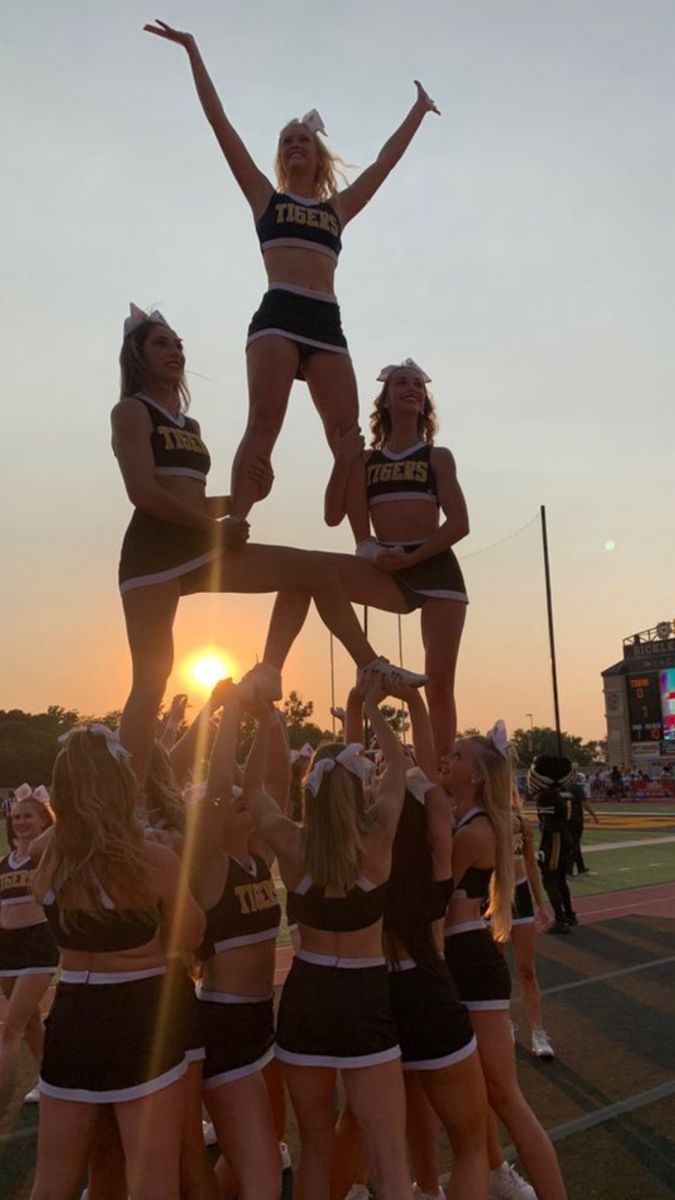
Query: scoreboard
x,y
644,707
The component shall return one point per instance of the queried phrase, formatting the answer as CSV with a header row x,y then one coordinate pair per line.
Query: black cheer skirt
x,y
434,1029
184,1010
105,1043
478,969
522,908
312,320
335,1016
239,1036
28,951
436,578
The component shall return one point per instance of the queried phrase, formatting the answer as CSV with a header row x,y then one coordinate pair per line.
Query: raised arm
x,y
194,744
175,715
255,186
391,791
277,830
205,836
350,201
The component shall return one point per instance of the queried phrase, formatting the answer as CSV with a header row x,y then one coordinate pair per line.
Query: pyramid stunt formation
x,y
155,897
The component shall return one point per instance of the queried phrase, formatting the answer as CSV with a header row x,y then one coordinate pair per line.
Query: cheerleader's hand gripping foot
x,y
234,533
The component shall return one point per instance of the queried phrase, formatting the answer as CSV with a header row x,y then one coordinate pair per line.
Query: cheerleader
x,y
410,483
175,545
230,870
105,889
28,950
526,918
297,331
334,1012
438,1046
478,776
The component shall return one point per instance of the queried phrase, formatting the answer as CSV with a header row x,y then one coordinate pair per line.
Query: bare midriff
x,y
404,520
141,958
20,916
361,943
243,970
308,269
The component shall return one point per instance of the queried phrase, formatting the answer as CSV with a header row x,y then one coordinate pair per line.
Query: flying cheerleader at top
x,y
296,332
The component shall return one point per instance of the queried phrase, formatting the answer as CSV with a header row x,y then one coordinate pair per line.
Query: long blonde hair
x,y
330,169
380,418
495,797
335,821
133,368
97,839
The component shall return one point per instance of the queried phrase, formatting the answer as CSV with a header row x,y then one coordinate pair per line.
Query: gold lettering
x,y
421,472
397,471
313,218
243,895
281,212
168,435
408,473
385,472
325,220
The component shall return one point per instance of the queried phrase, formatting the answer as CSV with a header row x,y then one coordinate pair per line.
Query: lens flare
x,y
207,666
610,544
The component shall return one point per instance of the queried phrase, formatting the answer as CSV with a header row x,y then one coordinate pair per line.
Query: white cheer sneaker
x,y
507,1184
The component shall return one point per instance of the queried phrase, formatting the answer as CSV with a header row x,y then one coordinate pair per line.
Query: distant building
x,y
640,699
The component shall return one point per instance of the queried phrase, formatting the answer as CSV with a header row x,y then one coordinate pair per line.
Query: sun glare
x,y
205,668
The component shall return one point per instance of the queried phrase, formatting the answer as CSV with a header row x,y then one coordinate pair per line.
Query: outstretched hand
x,y
161,29
423,99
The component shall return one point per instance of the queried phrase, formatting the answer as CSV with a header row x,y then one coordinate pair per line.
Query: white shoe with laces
x,y
358,1191
285,1153
507,1184
262,680
418,1194
541,1046
33,1096
381,668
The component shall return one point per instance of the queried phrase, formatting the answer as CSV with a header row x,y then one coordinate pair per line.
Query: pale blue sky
x,y
523,253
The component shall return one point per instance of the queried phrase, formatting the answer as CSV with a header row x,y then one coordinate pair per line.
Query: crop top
x,y
104,932
359,908
177,448
475,882
16,877
301,224
405,476
247,912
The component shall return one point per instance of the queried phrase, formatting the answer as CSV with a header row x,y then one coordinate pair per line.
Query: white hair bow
x,y
137,316
417,784
499,738
350,758
26,792
408,364
311,120
112,738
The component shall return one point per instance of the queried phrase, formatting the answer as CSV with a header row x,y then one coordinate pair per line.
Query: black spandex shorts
x,y
311,319
479,969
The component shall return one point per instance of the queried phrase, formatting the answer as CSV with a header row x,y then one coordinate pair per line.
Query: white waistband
x,y
109,976
403,964
326,960
230,997
301,291
464,927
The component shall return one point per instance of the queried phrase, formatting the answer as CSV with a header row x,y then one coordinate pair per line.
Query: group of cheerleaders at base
x,y
131,1052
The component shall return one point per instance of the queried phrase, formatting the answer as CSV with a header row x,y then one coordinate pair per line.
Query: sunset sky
x,y
523,253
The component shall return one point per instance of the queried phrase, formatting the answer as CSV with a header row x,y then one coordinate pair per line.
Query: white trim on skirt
x,y
115,1095
28,971
214,1081
486,1005
335,1061
171,572
296,337
448,1060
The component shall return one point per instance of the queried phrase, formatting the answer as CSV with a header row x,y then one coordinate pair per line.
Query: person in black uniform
x,y
297,330
411,484
548,784
335,1011
579,804
105,890
28,951
174,544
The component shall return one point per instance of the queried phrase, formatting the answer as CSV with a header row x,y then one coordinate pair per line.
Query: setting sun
x,y
207,666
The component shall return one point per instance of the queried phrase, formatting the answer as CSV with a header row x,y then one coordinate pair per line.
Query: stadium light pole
x,y
551,635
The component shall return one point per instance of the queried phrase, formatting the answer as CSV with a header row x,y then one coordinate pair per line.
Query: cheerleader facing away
x,y
174,544
477,774
28,951
297,331
526,920
335,1012
106,890
418,514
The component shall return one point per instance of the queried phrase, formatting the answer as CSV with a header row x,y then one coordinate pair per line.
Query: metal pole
x,y
551,636
400,663
332,682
